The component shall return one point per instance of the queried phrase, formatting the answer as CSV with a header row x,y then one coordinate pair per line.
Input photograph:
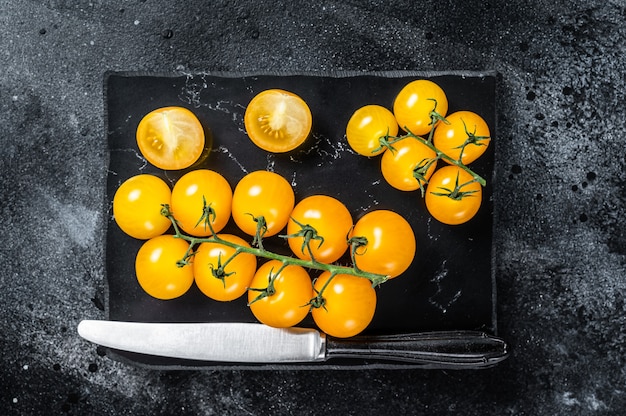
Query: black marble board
x,y
451,283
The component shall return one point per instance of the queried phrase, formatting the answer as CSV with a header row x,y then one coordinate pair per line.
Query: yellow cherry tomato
x,y
332,222
277,120
367,125
218,274
287,303
170,138
195,190
409,157
415,102
137,206
465,130
349,303
389,246
262,194
157,270
451,196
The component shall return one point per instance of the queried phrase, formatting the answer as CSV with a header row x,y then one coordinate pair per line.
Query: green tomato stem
x,y
334,269
435,117
439,154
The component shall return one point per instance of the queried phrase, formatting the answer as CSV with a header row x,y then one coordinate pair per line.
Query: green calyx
x,y
308,234
456,193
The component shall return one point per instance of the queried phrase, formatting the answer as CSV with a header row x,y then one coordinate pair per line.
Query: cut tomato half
x,y
277,120
171,138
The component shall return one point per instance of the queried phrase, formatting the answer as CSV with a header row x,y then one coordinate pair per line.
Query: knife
x,y
258,343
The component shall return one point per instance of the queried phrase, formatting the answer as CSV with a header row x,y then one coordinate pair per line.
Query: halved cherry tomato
x,y
367,125
137,206
266,194
448,203
157,270
286,303
409,157
170,138
331,221
464,130
195,190
277,120
218,274
349,303
389,243
415,102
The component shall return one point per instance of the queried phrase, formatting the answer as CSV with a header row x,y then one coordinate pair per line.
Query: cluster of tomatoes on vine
x,y
224,267
452,193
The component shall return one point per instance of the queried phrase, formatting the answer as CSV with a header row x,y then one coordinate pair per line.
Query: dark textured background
x,y
560,191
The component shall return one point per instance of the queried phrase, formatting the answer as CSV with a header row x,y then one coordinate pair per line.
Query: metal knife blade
x,y
226,342
257,343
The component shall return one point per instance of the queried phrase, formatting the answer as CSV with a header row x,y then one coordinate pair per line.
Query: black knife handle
x,y
439,349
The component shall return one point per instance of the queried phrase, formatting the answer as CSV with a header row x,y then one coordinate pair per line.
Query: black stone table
x,y
560,188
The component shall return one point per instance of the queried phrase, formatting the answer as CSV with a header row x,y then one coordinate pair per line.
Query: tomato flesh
x,y
277,120
171,138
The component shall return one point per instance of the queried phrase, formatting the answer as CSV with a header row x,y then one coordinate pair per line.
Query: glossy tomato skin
x,y
450,137
332,221
367,125
278,121
414,103
238,273
187,201
391,243
288,306
156,267
449,210
349,305
398,166
137,205
171,138
262,193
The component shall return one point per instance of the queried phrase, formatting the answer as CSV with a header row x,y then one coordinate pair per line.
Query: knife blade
x,y
258,343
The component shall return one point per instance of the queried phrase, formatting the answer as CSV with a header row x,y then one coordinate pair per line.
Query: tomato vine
x,y
423,165
260,251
